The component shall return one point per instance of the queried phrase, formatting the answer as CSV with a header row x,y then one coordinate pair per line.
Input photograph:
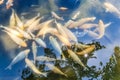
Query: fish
x,y
55,69
56,16
63,8
34,51
76,58
18,21
63,39
12,21
34,25
60,29
12,31
44,26
16,39
81,46
112,9
70,35
81,21
40,42
34,68
44,58
101,29
55,44
9,3
76,15
88,26
1,2
21,55
30,21
68,23
92,33
87,50
24,33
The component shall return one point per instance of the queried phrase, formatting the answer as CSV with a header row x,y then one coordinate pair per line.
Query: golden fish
x,y
34,68
75,58
55,69
87,50
16,39
63,39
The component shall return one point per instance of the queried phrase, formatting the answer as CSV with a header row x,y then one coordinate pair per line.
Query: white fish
x,y
101,29
19,22
63,39
61,30
12,31
56,16
30,21
63,8
44,58
16,39
68,23
81,21
34,68
111,8
75,58
48,30
70,35
76,15
88,26
44,26
34,51
19,57
24,33
92,33
55,69
34,26
55,44
40,42
12,21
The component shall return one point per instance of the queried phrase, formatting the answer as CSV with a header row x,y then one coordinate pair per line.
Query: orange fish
x,y
9,3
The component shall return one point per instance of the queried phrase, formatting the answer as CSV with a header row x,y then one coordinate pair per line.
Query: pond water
x,y
27,9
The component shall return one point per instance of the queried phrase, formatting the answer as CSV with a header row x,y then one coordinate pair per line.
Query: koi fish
x,y
40,42
76,15
70,35
63,39
56,16
18,58
55,69
55,44
111,8
44,58
24,33
33,68
9,3
81,21
76,58
34,25
30,21
101,29
1,2
88,26
44,26
12,31
34,51
61,30
87,50
16,39
63,8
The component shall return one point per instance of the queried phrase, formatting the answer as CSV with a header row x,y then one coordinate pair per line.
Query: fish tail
x,y
44,74
9,67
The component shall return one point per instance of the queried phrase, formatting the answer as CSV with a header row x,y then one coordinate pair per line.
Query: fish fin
x,y
9,67
107,10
